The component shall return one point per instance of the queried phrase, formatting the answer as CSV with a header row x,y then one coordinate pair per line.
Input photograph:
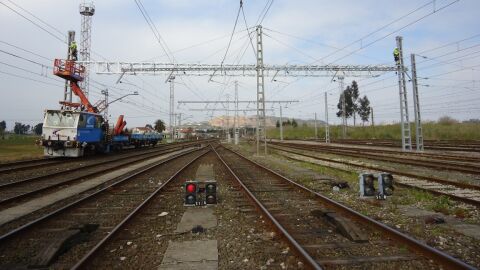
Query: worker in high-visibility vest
x,y
396,55
73,50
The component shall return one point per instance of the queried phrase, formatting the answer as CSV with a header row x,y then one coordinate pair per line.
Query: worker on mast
x,y
73,51
396,56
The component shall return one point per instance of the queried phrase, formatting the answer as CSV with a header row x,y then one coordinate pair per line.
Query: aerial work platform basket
x,y
69,70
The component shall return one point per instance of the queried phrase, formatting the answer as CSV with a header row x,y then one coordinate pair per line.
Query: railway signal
x,y
211,192
385,184
367,185
191,192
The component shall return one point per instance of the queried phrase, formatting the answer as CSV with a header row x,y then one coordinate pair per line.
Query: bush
x,y
447,121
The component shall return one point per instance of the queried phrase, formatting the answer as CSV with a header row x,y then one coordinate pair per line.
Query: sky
x,y
444,35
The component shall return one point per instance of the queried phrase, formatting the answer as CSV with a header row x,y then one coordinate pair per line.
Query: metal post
x,y
261,121
68,93
281,124
327,128
172,107
229,139
86,10
344,107
178,124
371,111
236,113
404,120
416,106
316,132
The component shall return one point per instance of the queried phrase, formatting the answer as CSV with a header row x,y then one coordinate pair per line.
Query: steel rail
x,y
298,248
464,168
75,179
106,188
367,148
429,145
41,177
94,250
429,178
33,163
415,245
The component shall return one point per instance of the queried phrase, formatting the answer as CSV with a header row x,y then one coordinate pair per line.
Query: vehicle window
x,y
99,122
82,121
60,119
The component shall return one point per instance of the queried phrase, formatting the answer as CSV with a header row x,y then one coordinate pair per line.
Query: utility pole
x,y
261,121
416,106
236,113
316,132
68,93
281,124
178,124
344,107
171,79
229,140
404,120
86,10
327,128
371,111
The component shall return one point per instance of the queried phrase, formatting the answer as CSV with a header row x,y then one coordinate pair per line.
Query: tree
x,y
18,128
3,127
288,123
277,124
364,109
294,123
348,103
159,125
37,129
351,94
355,100
447,120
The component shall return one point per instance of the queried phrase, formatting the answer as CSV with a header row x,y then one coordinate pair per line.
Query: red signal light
x,y
191,188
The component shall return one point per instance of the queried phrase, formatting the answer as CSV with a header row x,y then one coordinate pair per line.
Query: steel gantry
x,y
404,119
87,10
258,70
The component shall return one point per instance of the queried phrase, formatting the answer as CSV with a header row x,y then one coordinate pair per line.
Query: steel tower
x,y
87,9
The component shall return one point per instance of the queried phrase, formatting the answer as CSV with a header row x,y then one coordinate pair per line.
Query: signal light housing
x,y
191,190
367,185
210,192
385,184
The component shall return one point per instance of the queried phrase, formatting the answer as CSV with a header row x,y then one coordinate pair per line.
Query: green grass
x,y
431,131
15,147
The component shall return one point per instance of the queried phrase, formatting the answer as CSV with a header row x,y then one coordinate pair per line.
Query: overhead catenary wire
x,y
61,39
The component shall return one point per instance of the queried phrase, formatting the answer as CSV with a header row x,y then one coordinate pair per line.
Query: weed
x,y
442,204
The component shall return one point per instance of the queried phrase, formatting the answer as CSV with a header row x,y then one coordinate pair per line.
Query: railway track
x,y
308,220
463,167
440,156
27,164
17,166
16,192
83,224
458,191
464,146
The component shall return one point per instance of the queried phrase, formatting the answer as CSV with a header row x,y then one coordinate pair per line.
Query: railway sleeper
x,y
343,225
63,242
